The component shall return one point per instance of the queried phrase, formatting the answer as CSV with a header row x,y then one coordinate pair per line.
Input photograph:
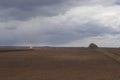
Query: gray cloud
x,y
52,36
27,4
56,22
56,36
11,28
27,9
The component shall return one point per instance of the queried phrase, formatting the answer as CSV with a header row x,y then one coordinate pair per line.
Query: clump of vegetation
x,y
93,46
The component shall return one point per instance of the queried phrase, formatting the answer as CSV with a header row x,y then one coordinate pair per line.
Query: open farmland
x,y
58,64
116,51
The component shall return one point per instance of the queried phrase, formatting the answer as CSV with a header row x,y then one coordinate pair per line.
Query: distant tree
x,y
93,46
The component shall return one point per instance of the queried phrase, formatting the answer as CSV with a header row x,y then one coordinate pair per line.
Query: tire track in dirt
x,y
110,55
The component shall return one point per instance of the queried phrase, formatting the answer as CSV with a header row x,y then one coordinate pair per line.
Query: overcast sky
x,y
60,22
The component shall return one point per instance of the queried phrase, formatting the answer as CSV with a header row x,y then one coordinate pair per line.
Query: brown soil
x,y
58,64
114,51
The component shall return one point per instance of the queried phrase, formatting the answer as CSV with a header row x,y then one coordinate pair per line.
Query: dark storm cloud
x,y
26,9
27,4
30,4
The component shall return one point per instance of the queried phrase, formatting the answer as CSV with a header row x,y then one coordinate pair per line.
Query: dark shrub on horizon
x,y
93,46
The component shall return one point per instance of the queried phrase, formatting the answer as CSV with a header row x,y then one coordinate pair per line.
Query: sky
x,y
68,23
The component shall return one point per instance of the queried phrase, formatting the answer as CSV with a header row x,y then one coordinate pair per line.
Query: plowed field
x,y
58,64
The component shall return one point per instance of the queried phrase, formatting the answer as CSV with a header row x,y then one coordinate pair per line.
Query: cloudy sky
x,y
60,22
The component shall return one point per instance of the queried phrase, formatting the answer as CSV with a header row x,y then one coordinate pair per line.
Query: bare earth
x,y
58,64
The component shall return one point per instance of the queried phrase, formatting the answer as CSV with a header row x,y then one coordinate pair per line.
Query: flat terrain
x,y
58,64
114,50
